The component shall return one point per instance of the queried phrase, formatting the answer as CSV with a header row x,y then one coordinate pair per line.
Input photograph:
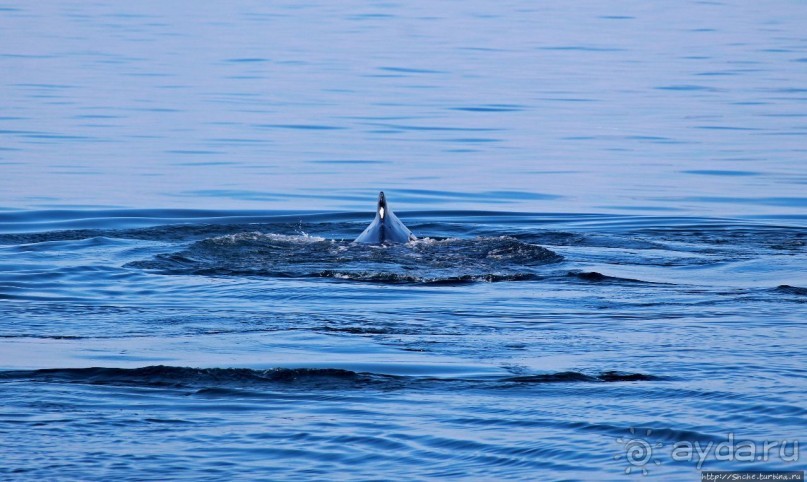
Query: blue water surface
x,y
609,199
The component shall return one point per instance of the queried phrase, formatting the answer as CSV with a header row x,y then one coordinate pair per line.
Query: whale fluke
x,y
386,227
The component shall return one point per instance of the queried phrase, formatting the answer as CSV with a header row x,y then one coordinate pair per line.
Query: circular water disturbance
x,y
497,258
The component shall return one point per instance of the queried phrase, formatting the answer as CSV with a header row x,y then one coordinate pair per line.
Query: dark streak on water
x,y
297,378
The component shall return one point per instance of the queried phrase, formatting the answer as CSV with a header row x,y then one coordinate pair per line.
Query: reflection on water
x,y
549,107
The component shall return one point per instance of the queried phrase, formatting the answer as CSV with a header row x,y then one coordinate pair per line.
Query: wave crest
x,y
162,376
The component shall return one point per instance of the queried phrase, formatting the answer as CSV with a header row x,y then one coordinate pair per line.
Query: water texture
x,y
608,199
694,108
502,345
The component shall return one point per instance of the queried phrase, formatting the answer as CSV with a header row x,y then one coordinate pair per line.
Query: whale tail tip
x,y
386,227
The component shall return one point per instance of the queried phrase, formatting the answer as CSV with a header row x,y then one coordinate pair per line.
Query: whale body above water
x,y
386,227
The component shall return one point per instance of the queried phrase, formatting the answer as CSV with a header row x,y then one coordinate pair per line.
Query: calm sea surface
x,y
611,201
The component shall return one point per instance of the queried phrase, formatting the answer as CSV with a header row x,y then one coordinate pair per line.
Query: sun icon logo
x,y
638,451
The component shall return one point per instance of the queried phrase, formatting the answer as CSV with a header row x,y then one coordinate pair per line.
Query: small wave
x,y
167,376
597,277
609,376
256,236
39,336
792,290
426,261
394,278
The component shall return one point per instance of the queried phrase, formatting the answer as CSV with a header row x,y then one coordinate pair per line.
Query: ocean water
x,y
612,257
